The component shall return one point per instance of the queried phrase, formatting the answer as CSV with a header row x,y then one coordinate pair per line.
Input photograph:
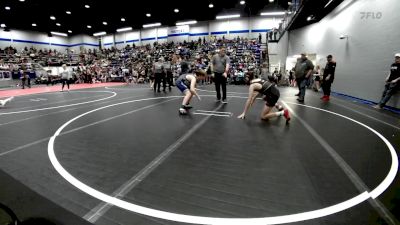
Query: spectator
x,y
275,73
270,34
392,83
25,78
303,70
65,77
93,65
291,78
317,78
275,33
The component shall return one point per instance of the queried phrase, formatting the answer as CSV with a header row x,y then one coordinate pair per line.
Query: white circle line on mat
x,y
64,106
214,220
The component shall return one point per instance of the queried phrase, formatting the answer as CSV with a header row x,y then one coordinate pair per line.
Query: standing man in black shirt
x,y
328,77
392,82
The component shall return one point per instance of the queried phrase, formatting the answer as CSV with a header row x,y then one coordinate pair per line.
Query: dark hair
x,y
185,67
329,56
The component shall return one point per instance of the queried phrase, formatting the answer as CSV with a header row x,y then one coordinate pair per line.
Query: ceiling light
x,y
105,23
271,0
87,6
99,34
186,23
123,19
68,12
21,0
311,17
228,16
70,31
328,3
242,2
59,34
7,8
211,5
58,24
124,29
52,17
34,25
272,13
176,10
2,25
152,25
148,15
88,26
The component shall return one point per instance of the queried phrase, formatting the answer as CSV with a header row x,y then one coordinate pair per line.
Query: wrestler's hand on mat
x,y
242,116
195,93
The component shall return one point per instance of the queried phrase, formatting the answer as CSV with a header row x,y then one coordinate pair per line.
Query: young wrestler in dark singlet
x,y
271,95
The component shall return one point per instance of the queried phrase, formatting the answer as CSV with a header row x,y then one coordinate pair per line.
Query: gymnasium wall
x,y
278,53
242,27
80,42
123,39
199,30
364,58
21,39
107,41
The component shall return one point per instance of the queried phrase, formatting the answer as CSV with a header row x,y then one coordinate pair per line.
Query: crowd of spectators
x,y
135,63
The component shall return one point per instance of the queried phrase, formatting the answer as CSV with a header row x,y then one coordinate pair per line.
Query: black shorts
x,y
271,96
317,78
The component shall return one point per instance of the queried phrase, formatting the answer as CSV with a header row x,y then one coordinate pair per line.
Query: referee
x,y
220,66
